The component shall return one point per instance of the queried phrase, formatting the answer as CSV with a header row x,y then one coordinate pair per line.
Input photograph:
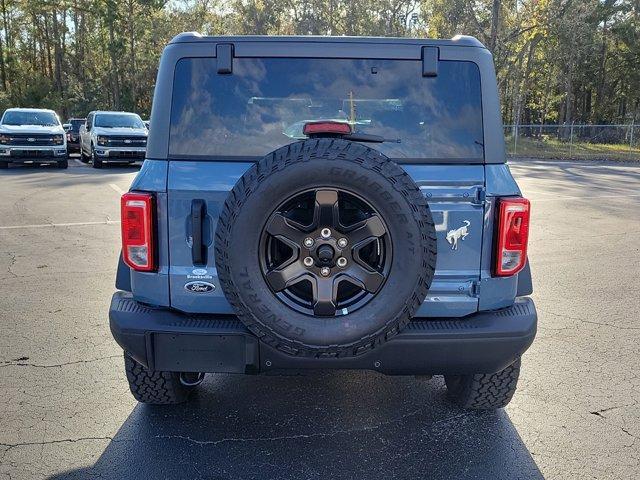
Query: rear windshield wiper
x,y
365,137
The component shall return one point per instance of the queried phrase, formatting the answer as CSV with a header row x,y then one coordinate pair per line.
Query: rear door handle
x,y
198,253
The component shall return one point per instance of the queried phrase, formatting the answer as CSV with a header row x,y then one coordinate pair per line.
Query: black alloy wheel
x,y
325,251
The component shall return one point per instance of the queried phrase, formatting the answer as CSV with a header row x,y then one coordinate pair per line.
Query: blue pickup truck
x,y
324,203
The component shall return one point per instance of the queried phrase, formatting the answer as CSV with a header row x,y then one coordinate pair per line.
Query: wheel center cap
x,y
325,253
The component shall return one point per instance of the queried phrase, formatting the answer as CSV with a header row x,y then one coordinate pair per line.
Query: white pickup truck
x,y
112,137
32,135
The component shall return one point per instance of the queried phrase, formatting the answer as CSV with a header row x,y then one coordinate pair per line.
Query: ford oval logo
x,y
127,141
200,287
199,271
31,139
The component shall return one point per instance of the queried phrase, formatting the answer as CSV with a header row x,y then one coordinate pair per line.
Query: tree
x,y
556,60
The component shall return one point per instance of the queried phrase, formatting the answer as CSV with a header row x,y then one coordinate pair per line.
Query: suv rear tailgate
x,y
455,194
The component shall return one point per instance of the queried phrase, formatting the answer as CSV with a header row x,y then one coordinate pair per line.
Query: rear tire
x,y
484,391
4,165
155,388
83,157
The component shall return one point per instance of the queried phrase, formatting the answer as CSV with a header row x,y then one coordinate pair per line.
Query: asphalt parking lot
x,y
65,409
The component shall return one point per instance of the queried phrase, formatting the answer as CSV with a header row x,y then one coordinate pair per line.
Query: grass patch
x,y
551,147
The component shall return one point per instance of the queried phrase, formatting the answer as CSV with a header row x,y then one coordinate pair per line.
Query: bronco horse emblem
x,y
458,234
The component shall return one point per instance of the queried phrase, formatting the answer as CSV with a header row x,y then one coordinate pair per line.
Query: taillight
x,y
137,231
512,236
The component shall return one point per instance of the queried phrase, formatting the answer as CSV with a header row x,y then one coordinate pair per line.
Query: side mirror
x,y
67,127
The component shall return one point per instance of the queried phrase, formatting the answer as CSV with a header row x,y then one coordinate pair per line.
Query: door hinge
x,y
475,288
430,58
224,58
481,195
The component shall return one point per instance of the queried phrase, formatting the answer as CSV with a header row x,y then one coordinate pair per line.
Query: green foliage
x,y
559,61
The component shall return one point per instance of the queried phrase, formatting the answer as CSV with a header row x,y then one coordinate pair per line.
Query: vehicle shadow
x,y
327,425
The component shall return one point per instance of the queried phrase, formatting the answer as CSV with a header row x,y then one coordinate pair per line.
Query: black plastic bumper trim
x,y
125,154
33,159
163,339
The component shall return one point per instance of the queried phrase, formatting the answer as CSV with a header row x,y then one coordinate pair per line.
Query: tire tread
x,y
156,388
484,391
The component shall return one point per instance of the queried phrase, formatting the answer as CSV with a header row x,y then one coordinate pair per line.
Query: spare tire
x,y
325,248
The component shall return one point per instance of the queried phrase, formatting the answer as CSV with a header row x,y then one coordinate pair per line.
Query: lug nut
x,y
308,242
342,242
325,233
308,261
324,271
342,262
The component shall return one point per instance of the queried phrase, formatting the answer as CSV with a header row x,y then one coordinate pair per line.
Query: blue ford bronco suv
x,y
324,203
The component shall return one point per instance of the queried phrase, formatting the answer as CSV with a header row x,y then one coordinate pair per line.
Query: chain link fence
x,y
577,142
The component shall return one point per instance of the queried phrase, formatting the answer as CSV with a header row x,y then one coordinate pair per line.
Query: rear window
x,y
76,123
265,103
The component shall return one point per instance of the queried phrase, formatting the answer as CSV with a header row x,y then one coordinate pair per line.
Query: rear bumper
x,y
167,340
